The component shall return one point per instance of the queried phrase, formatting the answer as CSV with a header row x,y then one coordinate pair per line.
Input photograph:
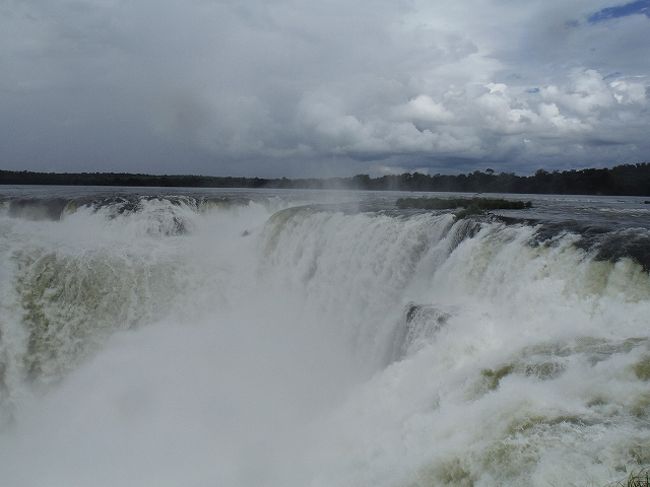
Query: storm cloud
x,y
289,87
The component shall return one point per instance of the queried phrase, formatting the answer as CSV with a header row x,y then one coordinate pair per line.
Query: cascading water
x,y
222,340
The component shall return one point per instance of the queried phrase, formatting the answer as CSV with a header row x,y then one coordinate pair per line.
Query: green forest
x,y
626,179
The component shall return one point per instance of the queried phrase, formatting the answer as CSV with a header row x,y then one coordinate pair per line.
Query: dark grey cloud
x,y
284,87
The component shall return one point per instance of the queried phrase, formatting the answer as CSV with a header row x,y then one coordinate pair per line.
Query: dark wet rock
x,y
463,229
179,227
604,244
419,325
614,246
37,208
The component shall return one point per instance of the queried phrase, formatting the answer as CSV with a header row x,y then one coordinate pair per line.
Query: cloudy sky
x,y
323,87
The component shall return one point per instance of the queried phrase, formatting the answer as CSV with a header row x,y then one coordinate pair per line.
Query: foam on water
x,y
175,343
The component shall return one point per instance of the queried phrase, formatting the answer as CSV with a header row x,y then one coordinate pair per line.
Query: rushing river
x,y
208,338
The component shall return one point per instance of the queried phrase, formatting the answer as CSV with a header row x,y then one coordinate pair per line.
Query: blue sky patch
x,y
632,8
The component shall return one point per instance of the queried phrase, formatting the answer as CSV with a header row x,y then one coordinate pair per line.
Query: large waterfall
x,y
287,340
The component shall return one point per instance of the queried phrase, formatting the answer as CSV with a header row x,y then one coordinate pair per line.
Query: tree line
x,y
626,179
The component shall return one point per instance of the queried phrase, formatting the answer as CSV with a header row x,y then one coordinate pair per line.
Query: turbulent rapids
x,y
304,339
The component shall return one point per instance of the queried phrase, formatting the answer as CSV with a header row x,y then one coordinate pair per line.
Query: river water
x,y
166,337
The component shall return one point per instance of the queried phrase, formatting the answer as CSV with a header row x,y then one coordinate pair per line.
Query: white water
x,y
267,347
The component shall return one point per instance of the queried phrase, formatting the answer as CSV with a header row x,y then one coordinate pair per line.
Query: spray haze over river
x,y
294,338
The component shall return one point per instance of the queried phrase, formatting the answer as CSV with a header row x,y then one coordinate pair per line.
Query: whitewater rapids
x,y
274,340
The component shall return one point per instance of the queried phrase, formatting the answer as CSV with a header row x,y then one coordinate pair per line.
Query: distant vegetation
x,y
628,179
470,206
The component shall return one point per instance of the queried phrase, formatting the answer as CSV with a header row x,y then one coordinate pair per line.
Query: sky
x,y
323,87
